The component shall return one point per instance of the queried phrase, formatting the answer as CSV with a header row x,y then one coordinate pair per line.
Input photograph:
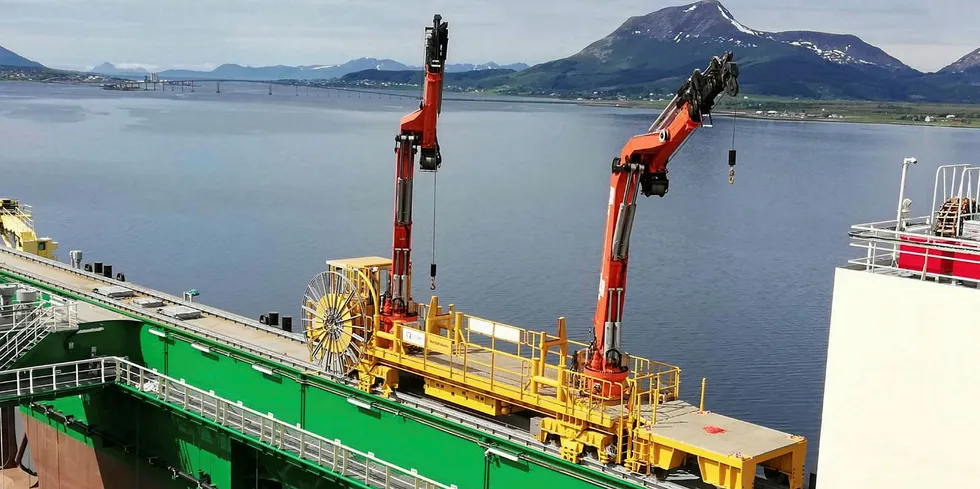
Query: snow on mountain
x,y
843,49
968,62
709,22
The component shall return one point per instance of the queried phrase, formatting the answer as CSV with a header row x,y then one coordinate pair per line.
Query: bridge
x,y
193,85
223,392
293,86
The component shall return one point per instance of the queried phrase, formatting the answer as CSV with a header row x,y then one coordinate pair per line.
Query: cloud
x,y
260,32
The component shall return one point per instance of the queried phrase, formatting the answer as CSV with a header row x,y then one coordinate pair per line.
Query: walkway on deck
x,y
68,378
122,299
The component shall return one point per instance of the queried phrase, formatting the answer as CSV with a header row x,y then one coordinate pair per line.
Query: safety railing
x,y
23,212
653,384
273,433
22,382
529,368
914,251
24,325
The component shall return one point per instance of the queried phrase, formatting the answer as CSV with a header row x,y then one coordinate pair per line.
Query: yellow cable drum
x,y
334,322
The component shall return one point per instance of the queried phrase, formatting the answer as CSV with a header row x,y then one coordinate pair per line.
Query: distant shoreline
x,y
852,112
857,117
847,119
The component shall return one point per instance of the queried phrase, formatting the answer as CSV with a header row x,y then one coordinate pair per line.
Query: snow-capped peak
x,y
738,25
708,21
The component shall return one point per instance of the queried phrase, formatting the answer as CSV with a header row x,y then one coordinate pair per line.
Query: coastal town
x,y
19,73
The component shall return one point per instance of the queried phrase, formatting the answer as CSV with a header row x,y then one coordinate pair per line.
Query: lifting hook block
x,y
731,176
432,283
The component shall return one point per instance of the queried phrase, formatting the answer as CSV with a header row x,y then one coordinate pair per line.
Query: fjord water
x,y
243,196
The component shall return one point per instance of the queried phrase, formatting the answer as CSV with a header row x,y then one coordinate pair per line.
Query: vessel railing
x,y
23,212
942,258
333,455
947,184
511,362
30,322
42,379
648,383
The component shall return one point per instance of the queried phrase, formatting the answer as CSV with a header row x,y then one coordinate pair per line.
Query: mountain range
x,y
654,53
307,72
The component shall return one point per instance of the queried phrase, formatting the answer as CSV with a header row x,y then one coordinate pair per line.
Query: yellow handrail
x,y
532,372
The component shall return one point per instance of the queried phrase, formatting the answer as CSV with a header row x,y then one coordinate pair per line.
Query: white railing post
x,y
901,193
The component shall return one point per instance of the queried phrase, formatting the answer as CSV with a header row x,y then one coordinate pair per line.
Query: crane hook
x,y
732,155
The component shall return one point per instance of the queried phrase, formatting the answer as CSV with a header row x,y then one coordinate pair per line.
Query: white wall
x,y
902,397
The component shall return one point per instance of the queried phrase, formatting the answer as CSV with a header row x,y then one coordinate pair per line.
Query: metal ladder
x,y
30,323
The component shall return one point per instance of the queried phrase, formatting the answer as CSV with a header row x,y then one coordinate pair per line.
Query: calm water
x,y
244,195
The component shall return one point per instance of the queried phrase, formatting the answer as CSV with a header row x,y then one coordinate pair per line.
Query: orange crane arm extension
x,y
642,167
418,134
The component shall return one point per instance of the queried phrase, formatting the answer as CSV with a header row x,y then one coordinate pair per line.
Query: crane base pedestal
x,y
606,384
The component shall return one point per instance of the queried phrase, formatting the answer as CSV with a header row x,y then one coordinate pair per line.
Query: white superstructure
x,y
902,388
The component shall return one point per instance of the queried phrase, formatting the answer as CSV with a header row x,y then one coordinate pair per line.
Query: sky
x,y
201,34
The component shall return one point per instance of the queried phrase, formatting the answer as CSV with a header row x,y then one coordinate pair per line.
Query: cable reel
x,y
334,321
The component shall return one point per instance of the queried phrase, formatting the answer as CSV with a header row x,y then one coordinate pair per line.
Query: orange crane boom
x,y
642,167
417,135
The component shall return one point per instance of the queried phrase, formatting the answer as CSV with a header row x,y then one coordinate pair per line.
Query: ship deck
x,y
213,323
679,425
678,421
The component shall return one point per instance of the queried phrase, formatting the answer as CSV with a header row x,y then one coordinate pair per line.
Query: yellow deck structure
x,y
500,369
17,230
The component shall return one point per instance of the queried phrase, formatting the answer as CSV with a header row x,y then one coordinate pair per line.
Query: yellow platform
x,y
499,369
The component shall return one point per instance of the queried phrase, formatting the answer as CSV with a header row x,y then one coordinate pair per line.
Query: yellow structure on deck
x,y
17,230
500,369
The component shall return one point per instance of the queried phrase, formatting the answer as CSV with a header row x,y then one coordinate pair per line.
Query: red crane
x,y
417,136
642,167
